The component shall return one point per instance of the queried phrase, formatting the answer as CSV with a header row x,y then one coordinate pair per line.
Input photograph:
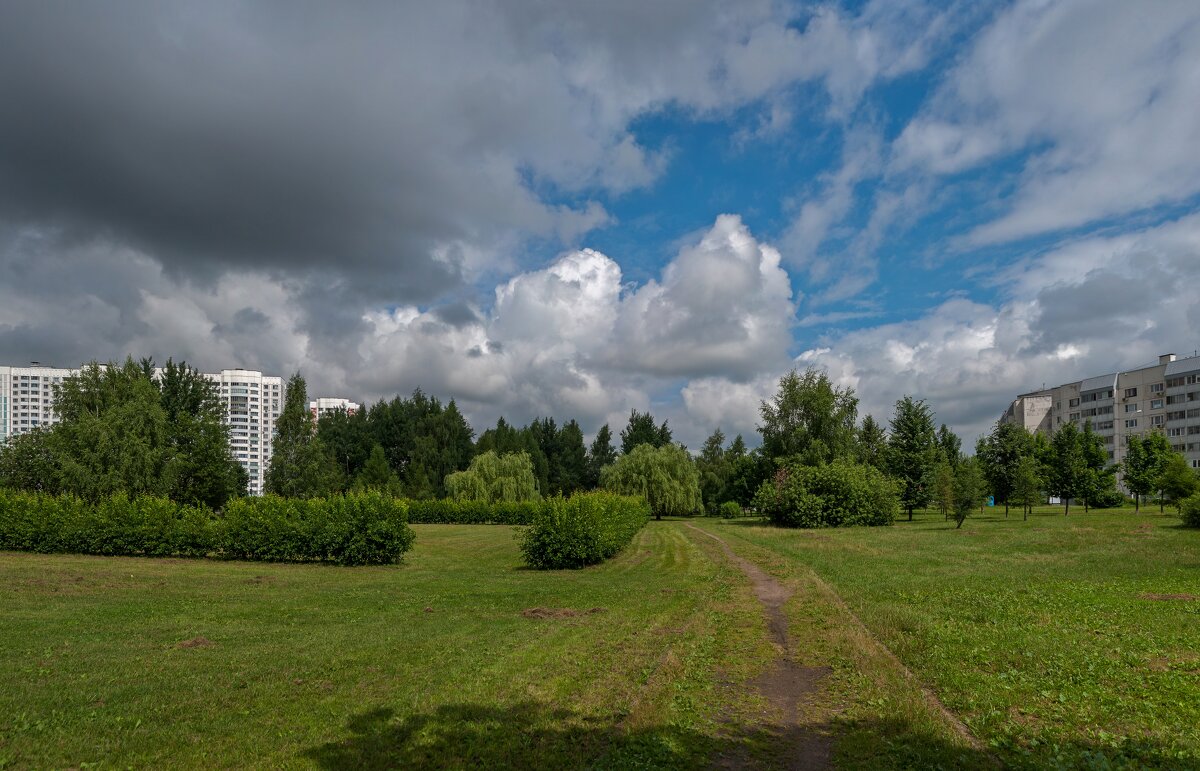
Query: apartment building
x,y
253,402
331,404
1160,397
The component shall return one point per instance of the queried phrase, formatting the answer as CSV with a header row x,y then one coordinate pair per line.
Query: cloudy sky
x,y
575,208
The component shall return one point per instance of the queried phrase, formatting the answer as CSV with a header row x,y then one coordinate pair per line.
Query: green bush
x,y
451,512
1107,499
730,509
352,530
1189,509
838,494
585,529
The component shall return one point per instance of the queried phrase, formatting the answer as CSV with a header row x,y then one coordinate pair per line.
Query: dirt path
x,y
786,685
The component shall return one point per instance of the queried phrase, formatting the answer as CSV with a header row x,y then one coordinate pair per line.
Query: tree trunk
x,y
1137,503
1067,504
910,513
1160,501
1026,517
1006,508
956,527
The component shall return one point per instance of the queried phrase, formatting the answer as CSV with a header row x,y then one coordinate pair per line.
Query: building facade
x,y
327,404
27,398
1160,397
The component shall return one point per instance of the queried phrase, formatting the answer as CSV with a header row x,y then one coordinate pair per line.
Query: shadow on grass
x,y
532,735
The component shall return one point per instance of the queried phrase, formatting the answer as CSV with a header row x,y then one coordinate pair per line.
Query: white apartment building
x,y
252,400
1159,397
327,404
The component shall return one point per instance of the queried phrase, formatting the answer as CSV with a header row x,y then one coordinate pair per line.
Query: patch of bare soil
x,y
1153,596
786,685
559,612
196,642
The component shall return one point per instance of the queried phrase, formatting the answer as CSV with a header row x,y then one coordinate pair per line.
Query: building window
x,y
1131,423
1074,403
1131,407
1130,393
1156,388
1156,420
1156,404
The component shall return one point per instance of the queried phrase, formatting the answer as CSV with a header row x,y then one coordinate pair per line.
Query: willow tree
x,y
493,478
665,476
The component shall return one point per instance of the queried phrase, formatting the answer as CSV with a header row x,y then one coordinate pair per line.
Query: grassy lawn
x,y
430,663
1061,642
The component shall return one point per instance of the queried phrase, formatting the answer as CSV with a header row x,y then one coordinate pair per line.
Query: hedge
x,y
352,530
838,494
452,512
585,529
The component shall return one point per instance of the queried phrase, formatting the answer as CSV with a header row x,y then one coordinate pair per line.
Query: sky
x,y
576,209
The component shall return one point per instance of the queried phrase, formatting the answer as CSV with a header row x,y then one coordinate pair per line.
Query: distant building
x,y
326,404
252,400
1161,397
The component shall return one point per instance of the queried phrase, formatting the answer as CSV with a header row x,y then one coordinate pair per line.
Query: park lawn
x,y
150,662
1067,642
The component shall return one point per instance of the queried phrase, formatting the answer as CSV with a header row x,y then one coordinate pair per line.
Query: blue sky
x,y
575,210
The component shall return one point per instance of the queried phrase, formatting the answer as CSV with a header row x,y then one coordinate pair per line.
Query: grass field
x,y
1059,641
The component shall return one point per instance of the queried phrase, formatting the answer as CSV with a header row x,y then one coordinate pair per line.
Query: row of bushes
x,y
361,529
451,512
585,529
837,494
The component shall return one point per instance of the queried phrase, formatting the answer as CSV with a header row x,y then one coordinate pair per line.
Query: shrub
x,y
730,509
585,529
1189,509
838,494
1107,499
452,512
351,530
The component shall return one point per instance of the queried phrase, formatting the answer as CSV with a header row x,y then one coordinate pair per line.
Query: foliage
x,y
1028,484
582,530
1068,467
949,445
422,440
665,476
492,477
731,510
641,430
300,466
912,452
715,466
1145,460
600,454
377,475
943,487
124,429
999,455
350,530
447,511
872,443
969,486
1178,480
1189,509
836,494
809,419
747,473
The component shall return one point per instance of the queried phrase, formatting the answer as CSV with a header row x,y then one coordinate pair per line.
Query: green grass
x,y
430,663
1040,635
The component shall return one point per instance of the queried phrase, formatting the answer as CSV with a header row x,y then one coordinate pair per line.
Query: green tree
x,y
665,476
1068,475
600,454
1145,460
572,459
1099,481
1028,484
300,465
1178,480
715,469
999,454
641,430
872,443
913,452
809,419
28,462
746,475
493,478
349,439
950,445
969,486
377,475
943,487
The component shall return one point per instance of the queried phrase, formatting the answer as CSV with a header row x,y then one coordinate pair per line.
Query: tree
x,y
641,430
1178,480
968,489
1145,460
943,487
349,439
492,478
950,445
872,443
1027,484
600,454
746,475
999,454
300,466
665,476
377,475
1099,482
572,459
809,419
912,452
715,469
28,462
1068,467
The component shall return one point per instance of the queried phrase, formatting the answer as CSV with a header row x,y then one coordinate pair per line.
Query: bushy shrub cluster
x,y
1189,509
1107,499
837,494
452,512
730,509
352,530
585,529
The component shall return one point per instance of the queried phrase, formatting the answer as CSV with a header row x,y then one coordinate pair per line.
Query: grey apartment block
x,y
1162,397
